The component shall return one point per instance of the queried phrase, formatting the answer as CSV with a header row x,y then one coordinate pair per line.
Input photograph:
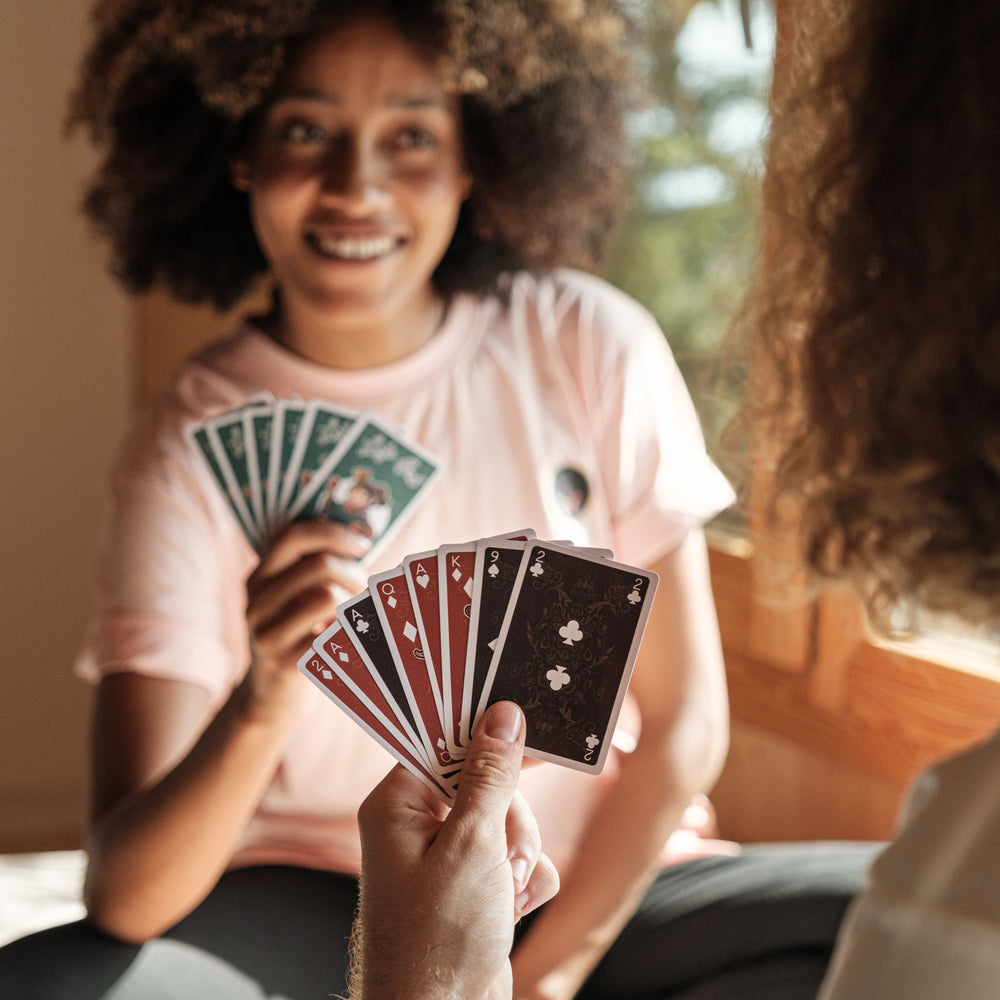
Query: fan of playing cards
x,y
279,461
431,644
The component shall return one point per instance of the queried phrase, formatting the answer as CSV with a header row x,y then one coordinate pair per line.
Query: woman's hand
x,y
292,597
176,780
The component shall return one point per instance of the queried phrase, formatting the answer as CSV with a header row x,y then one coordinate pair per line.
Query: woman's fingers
x,y
317,579
305,538
300,580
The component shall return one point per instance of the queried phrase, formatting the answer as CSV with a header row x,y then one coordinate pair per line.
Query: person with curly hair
x,y
424,186
880,319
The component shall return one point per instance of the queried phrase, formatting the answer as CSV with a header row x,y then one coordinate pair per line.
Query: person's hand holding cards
x,y
417,657
281,461
301,578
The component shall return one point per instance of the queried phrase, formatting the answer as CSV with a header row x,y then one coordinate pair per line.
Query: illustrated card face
x,y
258,430
456,568
322,428
370,482
335,682
365,630
277,461
396,612
207,443
567,648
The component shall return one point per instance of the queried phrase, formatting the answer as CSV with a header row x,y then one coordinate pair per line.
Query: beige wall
x,y
64,371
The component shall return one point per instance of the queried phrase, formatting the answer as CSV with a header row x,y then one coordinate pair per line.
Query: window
x,y
829,725
688,247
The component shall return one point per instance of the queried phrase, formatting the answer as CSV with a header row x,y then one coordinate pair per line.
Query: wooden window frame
x,y
830,725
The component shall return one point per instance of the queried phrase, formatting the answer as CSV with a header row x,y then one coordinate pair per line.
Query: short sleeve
x,y
173,565
658,476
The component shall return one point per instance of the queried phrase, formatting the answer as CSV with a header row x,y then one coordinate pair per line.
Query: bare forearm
x,y
617,861
155,854
680,690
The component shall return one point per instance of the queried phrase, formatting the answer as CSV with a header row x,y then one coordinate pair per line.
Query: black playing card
x,y
497,563
567,648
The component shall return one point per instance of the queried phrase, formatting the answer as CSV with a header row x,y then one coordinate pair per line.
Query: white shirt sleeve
x,y
928,926
658,476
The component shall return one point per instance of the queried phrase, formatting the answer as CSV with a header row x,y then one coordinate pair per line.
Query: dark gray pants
x,y
760,926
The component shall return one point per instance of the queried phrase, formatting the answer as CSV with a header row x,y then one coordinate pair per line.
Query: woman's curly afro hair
x,y
880,305
169,90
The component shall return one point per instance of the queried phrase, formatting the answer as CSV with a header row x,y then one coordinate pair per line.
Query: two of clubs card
x,y
417,657
282,460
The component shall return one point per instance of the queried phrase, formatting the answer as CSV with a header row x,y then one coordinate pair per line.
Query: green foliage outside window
x,y
688,248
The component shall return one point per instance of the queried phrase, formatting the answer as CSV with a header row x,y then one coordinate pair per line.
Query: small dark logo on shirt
x,y
572,491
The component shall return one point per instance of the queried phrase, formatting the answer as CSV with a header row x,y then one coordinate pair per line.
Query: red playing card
x,y
396,612
334,667
421,571
456,564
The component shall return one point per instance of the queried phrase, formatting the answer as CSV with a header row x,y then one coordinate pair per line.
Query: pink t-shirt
x,y
570,375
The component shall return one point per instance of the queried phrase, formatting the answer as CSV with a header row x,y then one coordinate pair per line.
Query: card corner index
x,y
311,659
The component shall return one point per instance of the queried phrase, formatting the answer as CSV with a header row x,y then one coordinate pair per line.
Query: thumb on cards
x,y
490,772
489,814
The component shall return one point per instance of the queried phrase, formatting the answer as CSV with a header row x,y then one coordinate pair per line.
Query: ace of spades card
x,y
567,648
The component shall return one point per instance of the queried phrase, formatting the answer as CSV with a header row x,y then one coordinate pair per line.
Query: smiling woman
x,y
417,181
421,182
356,175
529,76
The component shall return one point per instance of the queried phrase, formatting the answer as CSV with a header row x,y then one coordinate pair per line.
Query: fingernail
x,y
519,869
503,721
358,544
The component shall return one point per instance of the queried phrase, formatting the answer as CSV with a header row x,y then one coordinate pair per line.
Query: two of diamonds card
x,y
278,461
418,656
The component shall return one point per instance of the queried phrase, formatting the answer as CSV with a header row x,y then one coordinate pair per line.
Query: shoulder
x,y
204,385
215,378
583,305
586,321
209,382
569,288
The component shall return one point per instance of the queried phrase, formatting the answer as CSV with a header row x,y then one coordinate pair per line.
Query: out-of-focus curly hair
x,y
878,315
169,89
